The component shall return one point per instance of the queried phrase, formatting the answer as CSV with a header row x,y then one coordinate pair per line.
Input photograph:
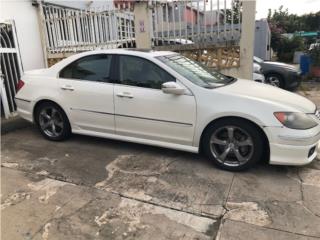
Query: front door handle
x,y
125,95
67,87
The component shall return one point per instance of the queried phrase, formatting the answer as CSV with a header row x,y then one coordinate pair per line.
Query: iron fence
x,y
196,21
73,30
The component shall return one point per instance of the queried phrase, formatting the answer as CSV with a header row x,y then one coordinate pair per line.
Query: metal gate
x,y
11,67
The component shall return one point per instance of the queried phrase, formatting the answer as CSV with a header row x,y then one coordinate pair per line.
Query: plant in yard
x,y
315,60
287,47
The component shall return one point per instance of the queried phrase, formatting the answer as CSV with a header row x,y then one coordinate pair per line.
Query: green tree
x,y
234,11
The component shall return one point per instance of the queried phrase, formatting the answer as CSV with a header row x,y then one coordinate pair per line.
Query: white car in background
x,y
167,100
257,75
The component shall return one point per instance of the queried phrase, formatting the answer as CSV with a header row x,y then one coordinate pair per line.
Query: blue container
x,y
305,63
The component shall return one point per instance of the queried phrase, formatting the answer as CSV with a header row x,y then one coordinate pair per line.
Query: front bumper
x,y
293,80
293,147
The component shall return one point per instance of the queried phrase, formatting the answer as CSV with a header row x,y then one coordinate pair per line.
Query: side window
x,y
135,71
92,68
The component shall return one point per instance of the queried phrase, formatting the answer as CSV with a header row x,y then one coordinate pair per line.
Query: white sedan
x,y
167,100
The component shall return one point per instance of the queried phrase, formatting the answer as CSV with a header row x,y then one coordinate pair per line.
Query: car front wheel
x,y
233,144
52,122
275,80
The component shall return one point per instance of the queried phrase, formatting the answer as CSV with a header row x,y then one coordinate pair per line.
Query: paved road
x,y
88,188
91,188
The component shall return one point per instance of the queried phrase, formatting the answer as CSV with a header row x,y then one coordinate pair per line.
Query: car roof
x,y
130,51
145,53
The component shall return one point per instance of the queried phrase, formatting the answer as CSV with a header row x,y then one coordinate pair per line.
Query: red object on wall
x,y
315,71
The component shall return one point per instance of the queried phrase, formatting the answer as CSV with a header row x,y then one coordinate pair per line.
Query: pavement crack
x,y
282,230
214,217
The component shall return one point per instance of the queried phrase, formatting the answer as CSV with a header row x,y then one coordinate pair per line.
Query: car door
x,y
87,93
143,110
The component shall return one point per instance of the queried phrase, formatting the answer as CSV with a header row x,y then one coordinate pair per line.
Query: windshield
x,y
258,60
195,72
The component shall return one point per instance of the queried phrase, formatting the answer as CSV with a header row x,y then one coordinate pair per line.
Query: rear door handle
x,y
67,87
124,95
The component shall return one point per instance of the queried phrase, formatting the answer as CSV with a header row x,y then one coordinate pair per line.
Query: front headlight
x,y
295,120
257,68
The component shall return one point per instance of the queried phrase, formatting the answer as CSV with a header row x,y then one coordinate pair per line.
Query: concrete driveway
x,y
91,188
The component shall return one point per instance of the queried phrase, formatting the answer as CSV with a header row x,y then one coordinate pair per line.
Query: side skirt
x,y
138,140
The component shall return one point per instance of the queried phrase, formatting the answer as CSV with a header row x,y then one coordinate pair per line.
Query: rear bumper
x,y
293,147
24,109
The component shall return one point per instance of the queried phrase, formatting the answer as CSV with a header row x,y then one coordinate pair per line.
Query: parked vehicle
x,y
280,74
167,100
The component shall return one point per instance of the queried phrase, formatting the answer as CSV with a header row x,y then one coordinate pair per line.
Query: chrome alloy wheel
x,y
274,81
51,121
232,146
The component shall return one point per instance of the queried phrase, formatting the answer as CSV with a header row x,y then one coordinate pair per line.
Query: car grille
x,y
317,113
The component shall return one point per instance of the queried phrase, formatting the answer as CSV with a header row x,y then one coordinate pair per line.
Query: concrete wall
x,y
27,28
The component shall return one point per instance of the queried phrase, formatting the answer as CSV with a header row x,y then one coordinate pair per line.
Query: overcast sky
x,y
295,6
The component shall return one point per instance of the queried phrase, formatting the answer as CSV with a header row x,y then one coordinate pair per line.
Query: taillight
x,y
20,85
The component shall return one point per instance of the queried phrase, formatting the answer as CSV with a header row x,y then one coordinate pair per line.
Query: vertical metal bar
x,y
205,20
110,26
174,20
93,32
4,97
55,24
225,20
76,29
198,20
167,18
162,19
125,17
156,29
65,29
192,19
218,19
212,19
6,75
65,13
15,40
49,29
185,19
107,31
232,26
100,26
179,5
87,27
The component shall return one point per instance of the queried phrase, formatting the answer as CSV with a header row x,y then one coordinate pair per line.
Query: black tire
x,y
62,127
240,126
276,77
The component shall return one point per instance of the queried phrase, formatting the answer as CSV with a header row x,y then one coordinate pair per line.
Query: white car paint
x,y
185,116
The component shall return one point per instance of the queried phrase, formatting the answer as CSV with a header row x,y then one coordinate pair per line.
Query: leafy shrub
x,y
287,47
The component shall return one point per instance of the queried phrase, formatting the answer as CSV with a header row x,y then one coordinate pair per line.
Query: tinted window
x,y
93,68
140,72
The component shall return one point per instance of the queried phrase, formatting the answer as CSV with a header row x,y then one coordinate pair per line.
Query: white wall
x,y
27,27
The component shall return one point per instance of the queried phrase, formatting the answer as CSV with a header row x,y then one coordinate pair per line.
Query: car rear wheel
x,y
275,80
233,144
52,122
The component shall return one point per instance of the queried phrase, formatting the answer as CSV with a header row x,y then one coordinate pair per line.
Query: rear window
x,y
90,68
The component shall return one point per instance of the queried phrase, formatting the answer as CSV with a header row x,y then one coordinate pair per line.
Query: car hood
x,y
280,65
263,92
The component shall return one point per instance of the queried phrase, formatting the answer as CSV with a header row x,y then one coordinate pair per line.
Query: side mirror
x,y
173,88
